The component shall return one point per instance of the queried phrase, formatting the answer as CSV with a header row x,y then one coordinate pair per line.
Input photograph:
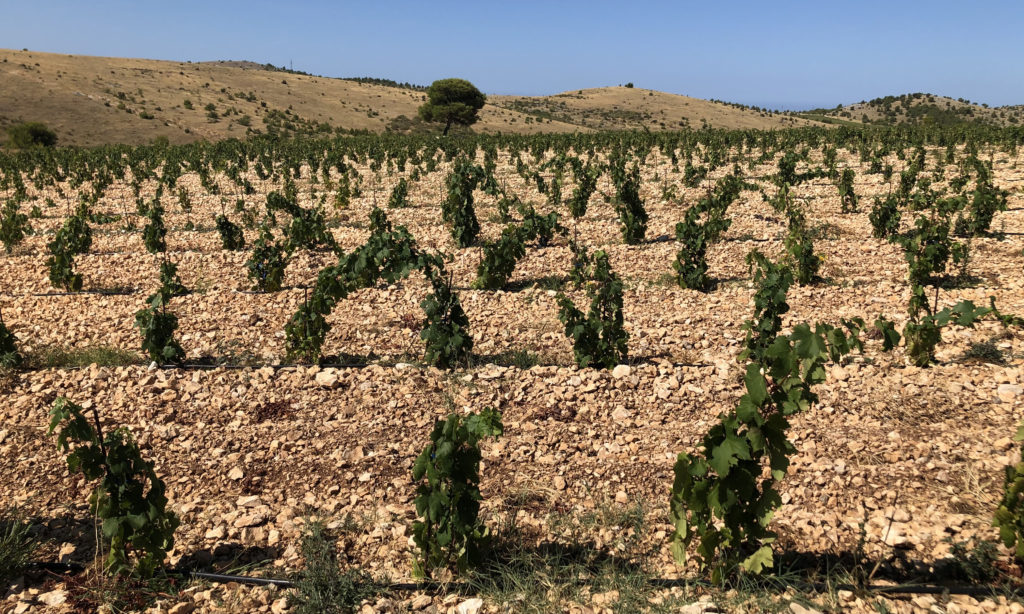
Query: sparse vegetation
x,y
323,586
372,368
17,545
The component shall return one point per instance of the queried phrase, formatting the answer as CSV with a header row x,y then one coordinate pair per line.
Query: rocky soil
x,y
898,459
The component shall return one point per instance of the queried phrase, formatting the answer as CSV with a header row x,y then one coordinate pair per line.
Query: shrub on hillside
x,y
31,134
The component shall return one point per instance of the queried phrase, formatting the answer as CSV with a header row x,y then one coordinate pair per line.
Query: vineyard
x,y
697,371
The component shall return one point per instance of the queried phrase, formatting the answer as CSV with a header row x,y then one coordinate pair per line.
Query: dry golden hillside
x,y
626,108
94,100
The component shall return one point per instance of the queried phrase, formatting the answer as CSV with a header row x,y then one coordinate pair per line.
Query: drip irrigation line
x,y
225,578
268,292
137,291
467,588
80,292
881,589
356,365
324,365
748,240
276,367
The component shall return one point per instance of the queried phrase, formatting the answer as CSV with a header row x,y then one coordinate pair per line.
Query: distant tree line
x,y
387,83
368,80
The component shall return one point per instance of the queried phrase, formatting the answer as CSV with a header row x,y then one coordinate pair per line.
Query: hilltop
x,y
920,108
96,100
627,108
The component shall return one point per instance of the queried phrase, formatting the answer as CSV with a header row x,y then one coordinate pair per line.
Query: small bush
x,y
16,545
975,564
985,351
53,357
520,359
31,134
322,587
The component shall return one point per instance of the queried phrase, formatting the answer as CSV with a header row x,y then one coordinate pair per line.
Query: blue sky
x,y
781,54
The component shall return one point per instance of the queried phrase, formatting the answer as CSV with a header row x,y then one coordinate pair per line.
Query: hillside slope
x,y
626,108
95,100
921,108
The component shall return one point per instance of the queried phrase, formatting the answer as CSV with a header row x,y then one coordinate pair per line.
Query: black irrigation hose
x,y
136,291
74,568
325,365
57,567
225,578
100,292
748,240
465,588
881,589
931,589
203,367
450,587
346,365
283,288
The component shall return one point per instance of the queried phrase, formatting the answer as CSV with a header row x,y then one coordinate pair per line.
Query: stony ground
x,y
898,459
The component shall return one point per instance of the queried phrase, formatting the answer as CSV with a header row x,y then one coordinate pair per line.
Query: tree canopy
x,y
452,101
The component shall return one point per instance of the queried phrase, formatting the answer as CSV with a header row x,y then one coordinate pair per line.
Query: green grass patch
x,y
322,586
55,357
985,351
521,359
527,571
17,545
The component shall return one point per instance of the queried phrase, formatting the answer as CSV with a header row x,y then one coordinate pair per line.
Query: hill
x,y
627,108
920,108
95,100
